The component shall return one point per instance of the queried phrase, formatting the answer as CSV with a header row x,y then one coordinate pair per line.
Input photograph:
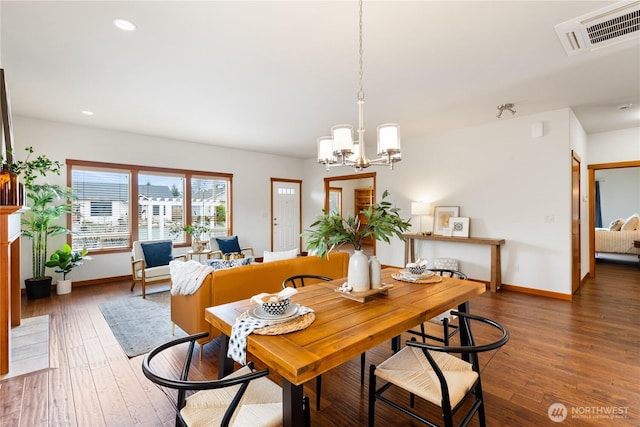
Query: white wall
x,y
511,185
251,177
616,146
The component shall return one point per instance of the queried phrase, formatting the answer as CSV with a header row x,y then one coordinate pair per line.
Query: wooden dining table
x,y
343,328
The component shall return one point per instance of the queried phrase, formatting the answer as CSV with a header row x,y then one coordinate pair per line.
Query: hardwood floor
x,y
583,354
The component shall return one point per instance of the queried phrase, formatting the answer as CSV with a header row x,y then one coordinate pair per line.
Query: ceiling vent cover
x,y
604,27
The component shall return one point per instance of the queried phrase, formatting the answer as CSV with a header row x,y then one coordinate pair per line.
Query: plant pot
x,y
63,287
38,288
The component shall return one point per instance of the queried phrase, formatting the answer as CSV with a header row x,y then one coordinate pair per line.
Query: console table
x,y
496,269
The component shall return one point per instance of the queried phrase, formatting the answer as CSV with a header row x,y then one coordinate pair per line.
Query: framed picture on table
x,y
441,216
459,226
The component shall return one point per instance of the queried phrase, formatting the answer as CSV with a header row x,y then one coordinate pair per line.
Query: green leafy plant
x,y
64,260
47,203
195,230
29,169
330,230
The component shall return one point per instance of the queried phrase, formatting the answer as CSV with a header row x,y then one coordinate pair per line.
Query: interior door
x,y
575,222
285,214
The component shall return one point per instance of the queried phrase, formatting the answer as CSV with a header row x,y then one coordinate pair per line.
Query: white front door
x,y
285,214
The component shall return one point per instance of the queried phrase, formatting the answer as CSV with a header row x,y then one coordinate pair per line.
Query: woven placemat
x,y
433,279
294,325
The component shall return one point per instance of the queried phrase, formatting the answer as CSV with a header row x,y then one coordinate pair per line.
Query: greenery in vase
x,y
196,230
29,169
330,230
47,203
64,260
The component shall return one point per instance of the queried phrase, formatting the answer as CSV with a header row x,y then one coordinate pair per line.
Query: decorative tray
x,y
362,296
416,278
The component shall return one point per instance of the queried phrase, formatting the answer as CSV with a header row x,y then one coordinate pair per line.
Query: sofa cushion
x,y
157,272
277,256
229,244
157,253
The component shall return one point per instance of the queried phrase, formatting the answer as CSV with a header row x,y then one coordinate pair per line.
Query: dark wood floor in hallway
x,y
583,354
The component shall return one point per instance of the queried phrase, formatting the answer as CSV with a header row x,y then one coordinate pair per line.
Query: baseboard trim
x,y
531,291
100,280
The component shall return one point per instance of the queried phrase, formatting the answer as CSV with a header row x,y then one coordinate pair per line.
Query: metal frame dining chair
x,y
299,280
245,397
445,318
432,373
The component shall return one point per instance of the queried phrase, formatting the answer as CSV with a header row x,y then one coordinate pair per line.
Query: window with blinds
x,y
117,204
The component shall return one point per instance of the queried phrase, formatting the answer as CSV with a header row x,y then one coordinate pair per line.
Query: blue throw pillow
x,y
228,245
157,253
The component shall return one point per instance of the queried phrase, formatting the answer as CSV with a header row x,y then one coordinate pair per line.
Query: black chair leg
x,y
318,390
363,358
372,394
424,335
445,326
307,411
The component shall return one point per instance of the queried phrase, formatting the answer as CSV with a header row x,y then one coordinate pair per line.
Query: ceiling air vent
x,y
603,27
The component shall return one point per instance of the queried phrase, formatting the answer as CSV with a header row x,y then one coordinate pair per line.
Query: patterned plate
x,y
427,273
258,313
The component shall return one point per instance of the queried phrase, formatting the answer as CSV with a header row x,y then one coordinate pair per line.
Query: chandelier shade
x,y
388,139
325,150
342,139
345,150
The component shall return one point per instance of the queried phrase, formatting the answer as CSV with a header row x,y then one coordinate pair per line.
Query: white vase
x,y
375,273
63,287
358,277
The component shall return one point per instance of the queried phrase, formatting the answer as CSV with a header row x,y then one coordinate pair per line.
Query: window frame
x,y
134,171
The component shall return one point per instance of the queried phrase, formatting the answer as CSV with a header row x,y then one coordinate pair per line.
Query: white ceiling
x,y
274,76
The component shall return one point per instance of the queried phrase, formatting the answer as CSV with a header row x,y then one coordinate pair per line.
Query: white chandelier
x,y
340,149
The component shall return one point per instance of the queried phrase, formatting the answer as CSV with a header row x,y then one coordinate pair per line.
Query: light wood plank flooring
x,y
583,354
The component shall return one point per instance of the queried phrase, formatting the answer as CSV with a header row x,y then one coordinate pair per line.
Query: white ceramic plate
x,y
427,273
257,312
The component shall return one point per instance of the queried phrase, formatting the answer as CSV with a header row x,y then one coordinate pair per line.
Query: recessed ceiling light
x,y
87,113
124,24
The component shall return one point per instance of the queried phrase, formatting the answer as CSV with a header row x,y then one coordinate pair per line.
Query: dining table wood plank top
x,y
342,330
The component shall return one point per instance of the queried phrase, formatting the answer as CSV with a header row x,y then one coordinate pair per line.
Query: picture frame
x,y
441,216
459,226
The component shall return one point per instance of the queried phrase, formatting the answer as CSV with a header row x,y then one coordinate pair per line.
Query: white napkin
x,y
283,294
408,277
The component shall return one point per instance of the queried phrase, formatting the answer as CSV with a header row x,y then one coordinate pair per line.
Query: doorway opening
x,y
594,172
354,190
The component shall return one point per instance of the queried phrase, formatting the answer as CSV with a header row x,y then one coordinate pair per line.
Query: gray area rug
x,y
139,324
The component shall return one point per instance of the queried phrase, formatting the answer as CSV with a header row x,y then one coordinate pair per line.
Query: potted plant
x,y
196,231
64,260
330,231
26,171
47,203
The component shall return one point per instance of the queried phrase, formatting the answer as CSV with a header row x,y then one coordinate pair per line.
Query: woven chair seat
x,y
261,404
410,370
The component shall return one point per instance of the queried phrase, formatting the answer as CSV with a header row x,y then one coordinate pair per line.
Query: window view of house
x,y
105,199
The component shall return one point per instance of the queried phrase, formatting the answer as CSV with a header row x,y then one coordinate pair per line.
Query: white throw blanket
x,y
187,277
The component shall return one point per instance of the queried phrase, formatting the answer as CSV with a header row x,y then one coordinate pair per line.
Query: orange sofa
x,y
234,284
